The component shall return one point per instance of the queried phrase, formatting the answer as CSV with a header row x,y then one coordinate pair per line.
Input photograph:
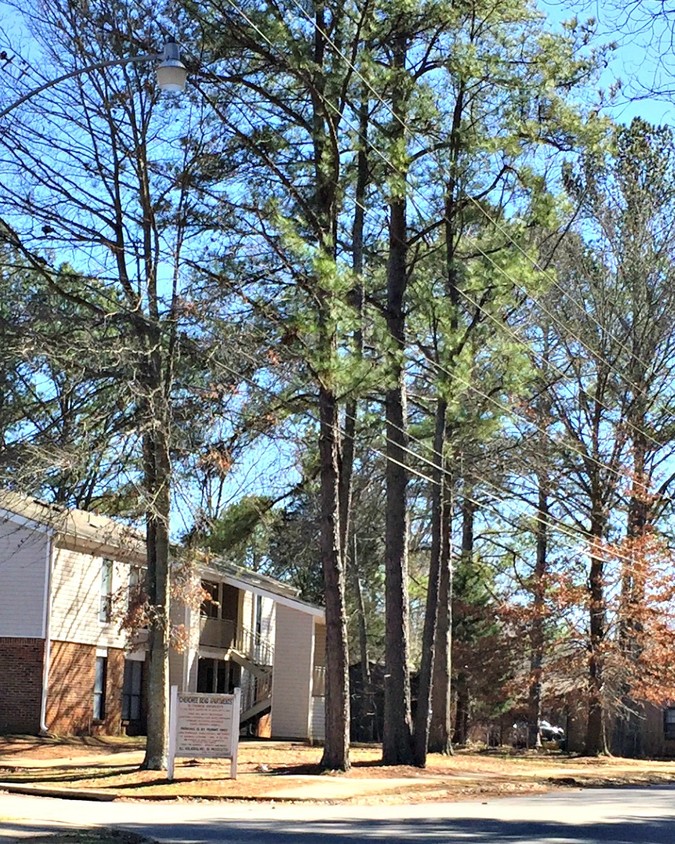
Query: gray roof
x,y
224,567
76,527
258,582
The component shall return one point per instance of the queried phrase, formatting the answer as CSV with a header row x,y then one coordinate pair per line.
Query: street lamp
x,y
171,72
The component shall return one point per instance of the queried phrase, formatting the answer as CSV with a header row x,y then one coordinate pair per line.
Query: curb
x,y
107,797
64,793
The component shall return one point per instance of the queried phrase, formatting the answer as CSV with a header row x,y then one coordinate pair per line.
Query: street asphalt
x,y
594,816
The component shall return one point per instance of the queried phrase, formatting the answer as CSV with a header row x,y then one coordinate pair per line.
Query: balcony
x,y
227,635
216,632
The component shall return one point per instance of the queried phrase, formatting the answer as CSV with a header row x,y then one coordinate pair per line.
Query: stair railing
x,y
254,646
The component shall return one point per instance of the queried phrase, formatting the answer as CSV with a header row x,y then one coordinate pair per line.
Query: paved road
x,y
619,816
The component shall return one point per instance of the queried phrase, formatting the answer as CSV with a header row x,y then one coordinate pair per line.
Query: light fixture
x,y
171,72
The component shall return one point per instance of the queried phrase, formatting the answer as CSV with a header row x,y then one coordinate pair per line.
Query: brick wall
x,y
70,702
20,684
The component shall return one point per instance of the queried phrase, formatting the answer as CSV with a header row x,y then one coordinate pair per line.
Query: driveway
x,y
619,816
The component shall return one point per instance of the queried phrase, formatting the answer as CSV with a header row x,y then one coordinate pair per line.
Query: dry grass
x,y
272,770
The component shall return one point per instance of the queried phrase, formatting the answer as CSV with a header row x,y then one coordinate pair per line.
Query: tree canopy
x,y
382,306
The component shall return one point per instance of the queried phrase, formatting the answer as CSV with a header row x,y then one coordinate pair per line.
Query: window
x,y
669,723
105,606
132,690
213,675
135,585
210,604
258,615
99,687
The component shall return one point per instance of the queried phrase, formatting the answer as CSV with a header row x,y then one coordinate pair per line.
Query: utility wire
x,y
486,256
533,260
500,269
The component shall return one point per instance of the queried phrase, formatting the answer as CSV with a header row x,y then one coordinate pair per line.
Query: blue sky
x,y
643,59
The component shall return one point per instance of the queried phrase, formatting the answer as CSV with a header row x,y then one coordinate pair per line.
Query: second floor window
x,y
105,605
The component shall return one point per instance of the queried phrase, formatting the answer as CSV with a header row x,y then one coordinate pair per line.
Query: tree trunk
x,y
462,686
537,626
423,712
336,747
326,175
595,734
365,711
397,738
357,301
462,704
440,730
361,616
158,483
631,629
440,726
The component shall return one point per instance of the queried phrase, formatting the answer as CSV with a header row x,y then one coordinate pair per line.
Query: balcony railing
x,y
254,646
255,690
226,634
216,632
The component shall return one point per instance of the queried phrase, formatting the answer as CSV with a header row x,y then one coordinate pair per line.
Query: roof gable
x,y
77,529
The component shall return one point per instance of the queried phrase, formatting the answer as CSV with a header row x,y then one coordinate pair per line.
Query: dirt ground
x,y
272,771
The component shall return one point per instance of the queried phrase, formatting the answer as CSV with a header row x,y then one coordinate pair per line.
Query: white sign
x,y
204,726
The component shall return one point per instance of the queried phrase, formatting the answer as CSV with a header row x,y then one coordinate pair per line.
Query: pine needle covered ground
x,y
108,769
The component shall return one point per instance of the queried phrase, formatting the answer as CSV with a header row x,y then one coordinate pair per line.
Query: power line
x,y
500,269
563,527
535,263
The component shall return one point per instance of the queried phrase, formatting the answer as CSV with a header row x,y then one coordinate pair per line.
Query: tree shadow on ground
x,y
315,769
40,776
37,834
94,836
431,831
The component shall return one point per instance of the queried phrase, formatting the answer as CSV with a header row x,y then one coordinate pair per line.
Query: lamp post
x,y
171,73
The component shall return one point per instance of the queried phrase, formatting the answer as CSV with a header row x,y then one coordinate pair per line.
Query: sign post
x,y
203,726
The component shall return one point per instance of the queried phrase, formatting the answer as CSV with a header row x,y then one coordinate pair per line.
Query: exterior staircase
x,y
255,654
252,652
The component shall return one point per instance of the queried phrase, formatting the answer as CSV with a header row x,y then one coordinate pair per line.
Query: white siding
x,y
192,619
268,621
292,678
180,661
23,575
176,669
76,600
317,729
192,658
247,610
